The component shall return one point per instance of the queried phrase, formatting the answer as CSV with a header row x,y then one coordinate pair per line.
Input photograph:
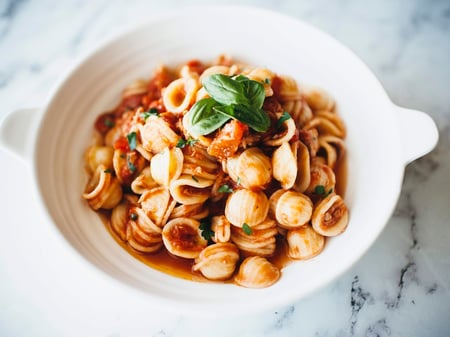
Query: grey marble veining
x,y
399,288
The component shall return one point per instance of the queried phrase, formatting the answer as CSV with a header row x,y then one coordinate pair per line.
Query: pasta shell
x,y
321,175
273,201
287,89
155,203
257,272
127,165
194,211
334,149
328,123
179,95
299,110
303,178
156,135
217,261
304,243
96,155
317,98
182,237
310,137
245,206
252,167
284,163
143,182
330,216
221,228
166,165
219,69
112,135
199,164
189,190
287,132
119,219
103,190
293,210
142,234
260,241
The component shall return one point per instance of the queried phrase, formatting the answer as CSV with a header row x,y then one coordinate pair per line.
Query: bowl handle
x,y
418,132
17,131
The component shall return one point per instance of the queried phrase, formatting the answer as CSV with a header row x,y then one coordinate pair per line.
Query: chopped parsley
x,y
131,166
194,178
107,171
133,216
206,231
182,143
247,229
321,191
225,189
151,112
132,140
238,181
284,117
267,80
108,122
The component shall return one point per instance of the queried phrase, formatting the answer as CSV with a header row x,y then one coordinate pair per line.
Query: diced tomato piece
x,y
122,144
227,140
196,66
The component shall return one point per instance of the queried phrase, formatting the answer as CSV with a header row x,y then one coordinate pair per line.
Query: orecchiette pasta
x,y
217,261
223,170
257,272
304,242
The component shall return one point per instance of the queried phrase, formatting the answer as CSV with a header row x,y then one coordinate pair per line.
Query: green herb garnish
x,y
247,229
238,181
131,166
107,171
182,143
133,216
194,178
267,80
108,122
284,117
132,140
225,189
151,112
321,191
235,97
206,231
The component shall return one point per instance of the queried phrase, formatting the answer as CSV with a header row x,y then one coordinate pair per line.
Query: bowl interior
x,y
258,37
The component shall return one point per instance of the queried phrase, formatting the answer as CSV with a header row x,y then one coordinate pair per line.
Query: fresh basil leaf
x,y
225,90
284,117
203,119
255,93
257,119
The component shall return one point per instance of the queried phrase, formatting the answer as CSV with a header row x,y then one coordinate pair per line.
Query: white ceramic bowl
x,y
381,141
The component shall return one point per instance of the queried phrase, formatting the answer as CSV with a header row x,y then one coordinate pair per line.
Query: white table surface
x,y
399,288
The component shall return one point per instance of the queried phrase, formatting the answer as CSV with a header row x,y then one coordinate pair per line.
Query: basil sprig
x,y
231,98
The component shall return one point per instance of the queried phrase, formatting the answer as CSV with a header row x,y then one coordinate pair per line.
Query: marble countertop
x,y
399,288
